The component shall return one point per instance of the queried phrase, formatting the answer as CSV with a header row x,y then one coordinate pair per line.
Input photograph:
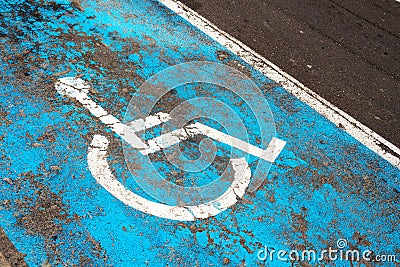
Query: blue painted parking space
x,y
66,161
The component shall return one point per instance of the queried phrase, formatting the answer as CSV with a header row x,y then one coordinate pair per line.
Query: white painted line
x,y
341,119
77,88
163,141
149,122
166,140
229,198
273,150
101,171
98,166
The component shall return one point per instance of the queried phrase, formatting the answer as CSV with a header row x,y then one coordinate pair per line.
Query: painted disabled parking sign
x,y
129,137
207,196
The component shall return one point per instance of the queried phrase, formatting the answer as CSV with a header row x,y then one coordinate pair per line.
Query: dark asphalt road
x,y
346,51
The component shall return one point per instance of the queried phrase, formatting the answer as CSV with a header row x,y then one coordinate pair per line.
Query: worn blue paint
x,y
325,184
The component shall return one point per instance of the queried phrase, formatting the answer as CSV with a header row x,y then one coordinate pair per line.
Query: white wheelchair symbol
x,y
77,89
